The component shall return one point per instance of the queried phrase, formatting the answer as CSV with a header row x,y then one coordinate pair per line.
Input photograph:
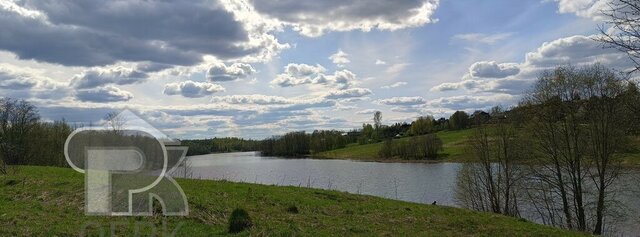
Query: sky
x,y
253,69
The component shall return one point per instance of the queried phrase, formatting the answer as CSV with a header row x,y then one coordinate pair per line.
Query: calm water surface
x,y
423,183
413,182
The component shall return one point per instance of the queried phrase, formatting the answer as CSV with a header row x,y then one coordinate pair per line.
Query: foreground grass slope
x,y
42,201
453,144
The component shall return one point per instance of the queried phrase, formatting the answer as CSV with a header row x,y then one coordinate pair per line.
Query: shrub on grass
x,y
239,221
293,209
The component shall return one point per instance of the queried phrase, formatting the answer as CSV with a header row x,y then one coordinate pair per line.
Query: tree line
x,y
297,144
424,143
27,140
220,145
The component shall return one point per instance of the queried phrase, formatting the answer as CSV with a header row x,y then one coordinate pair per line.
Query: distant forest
x,y
220,145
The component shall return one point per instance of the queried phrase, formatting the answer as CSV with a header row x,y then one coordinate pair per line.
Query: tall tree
x,y
422,125
459,120
377,125
491,182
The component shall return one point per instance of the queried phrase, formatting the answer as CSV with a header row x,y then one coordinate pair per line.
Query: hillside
x,y
453,145
453,149
41,201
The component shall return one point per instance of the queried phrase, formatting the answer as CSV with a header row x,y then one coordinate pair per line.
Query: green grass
x,y
453,145
631,157
44,201
454,149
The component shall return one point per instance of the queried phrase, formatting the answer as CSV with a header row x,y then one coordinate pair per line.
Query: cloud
x,y
584,8
396,69
395,85
514,78
314,18
192,89
380,62
26,83
348,93
575,50
491,69
340,58
104,94
251,99
403,101
483,38
303,74
12,80
472,102
367,111
447,86
221,72
117,75
98,33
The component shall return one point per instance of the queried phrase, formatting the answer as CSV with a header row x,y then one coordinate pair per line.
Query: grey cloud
x,y
12,81
104,76
104,94
313,18
221,72
303,74
192,89
21,83
92,33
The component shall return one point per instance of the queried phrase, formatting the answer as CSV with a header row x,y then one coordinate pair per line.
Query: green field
x,y
454,149
41,201
453,145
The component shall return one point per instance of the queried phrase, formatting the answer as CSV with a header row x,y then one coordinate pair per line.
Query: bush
x,y
239,221
415,148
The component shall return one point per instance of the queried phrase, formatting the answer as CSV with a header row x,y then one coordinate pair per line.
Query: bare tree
x,y
114,122
604,91
491,182
623,33
575,130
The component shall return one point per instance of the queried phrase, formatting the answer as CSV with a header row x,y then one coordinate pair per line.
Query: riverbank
x,y
453,143
39,201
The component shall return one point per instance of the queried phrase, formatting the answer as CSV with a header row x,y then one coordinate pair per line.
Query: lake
x,y
413,182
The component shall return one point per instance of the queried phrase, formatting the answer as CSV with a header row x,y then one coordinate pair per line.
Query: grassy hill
x,y
453,144
42,201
